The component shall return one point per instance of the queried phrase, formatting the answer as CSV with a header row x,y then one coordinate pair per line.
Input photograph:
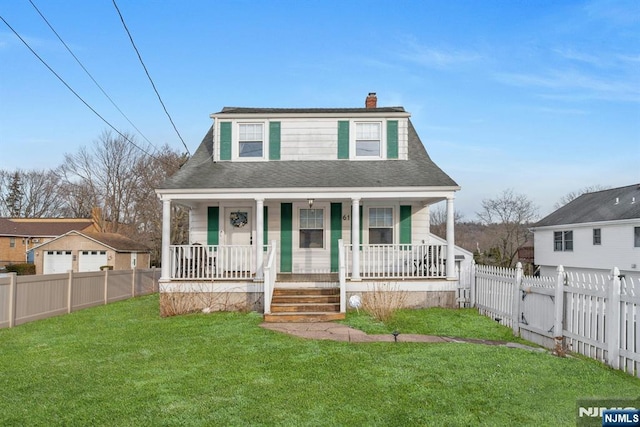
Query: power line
x,y
149,77
90,76
73,91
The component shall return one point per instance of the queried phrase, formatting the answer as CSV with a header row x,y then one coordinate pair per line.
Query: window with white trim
x,y
250,140
368,139
562,241
311,228
380,226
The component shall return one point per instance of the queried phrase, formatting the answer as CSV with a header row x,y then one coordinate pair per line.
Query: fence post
x,y
472,278
106,286
133,282
13,286
69,289
612,314
515,308
558,317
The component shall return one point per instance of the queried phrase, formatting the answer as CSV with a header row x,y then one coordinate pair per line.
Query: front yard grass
x,y
123,365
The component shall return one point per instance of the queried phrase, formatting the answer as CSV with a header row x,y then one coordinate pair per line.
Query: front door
x,y
238,226
238,255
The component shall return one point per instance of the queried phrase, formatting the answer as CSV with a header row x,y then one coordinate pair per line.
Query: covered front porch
x,y
244,245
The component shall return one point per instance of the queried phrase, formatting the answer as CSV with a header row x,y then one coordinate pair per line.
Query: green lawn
x,y
123,365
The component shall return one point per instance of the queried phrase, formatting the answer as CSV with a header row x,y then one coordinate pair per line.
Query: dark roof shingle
x,y
200,172
606,205
41,227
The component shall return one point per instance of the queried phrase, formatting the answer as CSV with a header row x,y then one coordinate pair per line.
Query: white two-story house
x,y
592,234
331,198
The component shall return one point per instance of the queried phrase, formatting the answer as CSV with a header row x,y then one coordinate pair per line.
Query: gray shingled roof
x,y
597,206
201,173
251,110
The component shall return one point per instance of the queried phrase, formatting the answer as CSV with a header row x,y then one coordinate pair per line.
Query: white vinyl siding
x,y
311,138
616,248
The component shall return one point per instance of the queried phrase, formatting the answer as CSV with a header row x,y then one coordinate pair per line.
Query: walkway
x,y
339,332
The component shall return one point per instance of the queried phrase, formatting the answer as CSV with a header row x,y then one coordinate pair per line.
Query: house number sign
x,y
238,219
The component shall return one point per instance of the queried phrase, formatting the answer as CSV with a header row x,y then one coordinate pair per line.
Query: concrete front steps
x,y
305,305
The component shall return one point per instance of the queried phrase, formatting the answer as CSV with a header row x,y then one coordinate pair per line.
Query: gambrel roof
x,y
200,172
607,205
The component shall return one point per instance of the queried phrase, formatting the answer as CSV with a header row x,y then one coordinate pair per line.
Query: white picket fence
x,y
594,315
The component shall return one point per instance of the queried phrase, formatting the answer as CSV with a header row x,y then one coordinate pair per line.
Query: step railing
x,y
270,273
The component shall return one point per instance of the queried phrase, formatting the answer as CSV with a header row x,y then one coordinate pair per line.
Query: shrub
x,y
383,301
24,269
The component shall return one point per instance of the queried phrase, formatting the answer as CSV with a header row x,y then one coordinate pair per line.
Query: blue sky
x,y
539,96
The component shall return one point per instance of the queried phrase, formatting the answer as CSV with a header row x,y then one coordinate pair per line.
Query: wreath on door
x,y
238,219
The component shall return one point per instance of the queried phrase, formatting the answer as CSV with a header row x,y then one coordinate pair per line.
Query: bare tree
x,y
572,195
105,178
507,217
438,220
31,194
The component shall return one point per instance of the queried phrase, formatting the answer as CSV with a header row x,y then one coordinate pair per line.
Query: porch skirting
x,y
192,296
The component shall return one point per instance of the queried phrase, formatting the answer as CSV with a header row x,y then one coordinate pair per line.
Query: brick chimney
x,y
371,101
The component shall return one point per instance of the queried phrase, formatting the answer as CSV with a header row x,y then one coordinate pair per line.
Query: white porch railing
x,y
270,273
398,261
210,262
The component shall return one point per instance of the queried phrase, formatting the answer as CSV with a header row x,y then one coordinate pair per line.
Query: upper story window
x,y
636,237
597,236
368,139
380,226
250,140
563,240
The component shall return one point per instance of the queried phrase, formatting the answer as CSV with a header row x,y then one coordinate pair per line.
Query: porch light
x,y
310,203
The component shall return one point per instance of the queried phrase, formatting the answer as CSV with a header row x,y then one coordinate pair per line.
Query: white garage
x,y
57,262
91,260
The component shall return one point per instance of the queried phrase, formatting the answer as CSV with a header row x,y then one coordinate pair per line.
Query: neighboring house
x,y
89,251
593,233
290,189
19,235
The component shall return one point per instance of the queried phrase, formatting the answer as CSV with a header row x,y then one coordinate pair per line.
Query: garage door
x,y
57,262
91,260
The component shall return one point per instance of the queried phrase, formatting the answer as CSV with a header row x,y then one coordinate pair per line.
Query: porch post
x,y
451,274
259,238
355,239
165,257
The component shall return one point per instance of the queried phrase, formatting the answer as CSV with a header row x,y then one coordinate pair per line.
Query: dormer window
x,y
251,140
368,139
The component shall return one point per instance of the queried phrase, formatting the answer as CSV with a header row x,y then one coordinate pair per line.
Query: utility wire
x,y
73,91
90,76
149,77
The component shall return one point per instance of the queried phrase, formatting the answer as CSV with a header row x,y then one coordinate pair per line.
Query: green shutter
x,y
405,225
392,139
286,237
213,225
274,141
265,234
336,234
343,139
225,141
